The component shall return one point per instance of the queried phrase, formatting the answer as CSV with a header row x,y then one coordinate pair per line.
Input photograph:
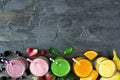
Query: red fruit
x,y
40,78
34,52
43,52
29,50
48,76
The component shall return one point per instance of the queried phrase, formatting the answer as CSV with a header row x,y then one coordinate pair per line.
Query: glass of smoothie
x,y
105,67
17,68
82,67
60,67
39,66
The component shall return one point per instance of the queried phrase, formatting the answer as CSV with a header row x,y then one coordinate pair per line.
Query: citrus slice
x,y
92,76
90,54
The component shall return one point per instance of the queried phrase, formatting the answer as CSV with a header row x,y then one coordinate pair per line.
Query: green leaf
x,y
68,50
53,51
34,78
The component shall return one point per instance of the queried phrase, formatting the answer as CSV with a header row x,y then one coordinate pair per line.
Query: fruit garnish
x,y
40,78
53,51
92,76
91,54
48,76
29,50
68,50
33,53
43,52
116,59
114,77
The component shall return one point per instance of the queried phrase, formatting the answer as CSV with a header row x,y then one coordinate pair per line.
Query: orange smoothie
x,y
83,69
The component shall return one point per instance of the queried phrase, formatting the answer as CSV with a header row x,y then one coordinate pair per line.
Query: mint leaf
x,y
68,50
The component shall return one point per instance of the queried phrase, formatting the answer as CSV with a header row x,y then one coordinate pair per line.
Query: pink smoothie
x,y
39,66
17,68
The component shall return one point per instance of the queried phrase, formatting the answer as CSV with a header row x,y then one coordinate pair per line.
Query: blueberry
x,y
3,69
3,78
9,77
6,53
17,53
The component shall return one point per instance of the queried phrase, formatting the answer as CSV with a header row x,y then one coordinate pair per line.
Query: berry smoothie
x,y
17,68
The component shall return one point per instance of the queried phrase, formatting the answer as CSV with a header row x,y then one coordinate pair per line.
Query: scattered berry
x,y
34,52
48,76
43,52
3,78
29,50
40,78
6,53
17,53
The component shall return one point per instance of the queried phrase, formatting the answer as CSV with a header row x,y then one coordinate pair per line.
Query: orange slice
x,y
92,76
90,54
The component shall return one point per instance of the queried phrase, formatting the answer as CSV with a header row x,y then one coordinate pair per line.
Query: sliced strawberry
x,y
34,52
29,50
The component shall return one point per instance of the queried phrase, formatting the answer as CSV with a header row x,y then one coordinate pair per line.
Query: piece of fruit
x,y
48,76
92,76
33,53
68,50
40,78
3,78
29,50
116,59
115,77
43,52
91,54
6,53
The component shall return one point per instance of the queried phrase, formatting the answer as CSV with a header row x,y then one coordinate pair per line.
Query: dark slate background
x,y
83,24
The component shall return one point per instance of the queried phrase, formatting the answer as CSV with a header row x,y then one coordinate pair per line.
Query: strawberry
x,y
43,52
34,52
40,78
48,76
29,50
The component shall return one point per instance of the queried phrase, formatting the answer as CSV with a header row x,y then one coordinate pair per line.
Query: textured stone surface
x,y
83,24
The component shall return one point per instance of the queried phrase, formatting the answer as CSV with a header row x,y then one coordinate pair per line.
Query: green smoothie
x,y
60,67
